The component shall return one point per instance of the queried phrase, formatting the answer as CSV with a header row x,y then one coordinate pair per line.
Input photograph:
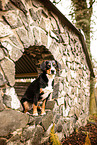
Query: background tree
x,y
82,14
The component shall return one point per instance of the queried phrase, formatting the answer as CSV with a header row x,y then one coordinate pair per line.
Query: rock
x,y
33,14
50,104
43,24
10,120
14,52
1,102
2,80
13,19
24,19
1,54
11,100
20,5
1,106
44,38
47,120
9,6
23,35
36,36
3,141
16,42
9,69
37,135
33,133
4,29
28,132
37,4
60,135
38,120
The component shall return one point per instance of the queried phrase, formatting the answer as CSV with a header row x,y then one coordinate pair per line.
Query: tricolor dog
x,y
41,88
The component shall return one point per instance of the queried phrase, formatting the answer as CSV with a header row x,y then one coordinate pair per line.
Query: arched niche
x,y
27,67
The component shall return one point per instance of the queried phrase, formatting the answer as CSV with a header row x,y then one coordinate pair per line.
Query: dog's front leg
x,y
35,113
43,108
26,106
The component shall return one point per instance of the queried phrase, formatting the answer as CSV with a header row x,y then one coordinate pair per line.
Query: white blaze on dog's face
x,y
50,67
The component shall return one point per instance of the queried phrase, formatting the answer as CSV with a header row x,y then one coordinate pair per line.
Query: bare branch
x,y
91,5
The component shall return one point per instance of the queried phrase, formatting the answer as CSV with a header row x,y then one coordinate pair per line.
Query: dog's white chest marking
x,y
49,88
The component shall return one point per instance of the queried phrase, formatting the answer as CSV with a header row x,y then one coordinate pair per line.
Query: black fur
x,y
32,94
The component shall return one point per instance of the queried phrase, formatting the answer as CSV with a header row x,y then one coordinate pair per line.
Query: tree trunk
x,y
82,16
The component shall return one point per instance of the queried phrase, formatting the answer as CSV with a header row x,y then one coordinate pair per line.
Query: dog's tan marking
x,y
35,113
43,107
41,90
48,71
26,106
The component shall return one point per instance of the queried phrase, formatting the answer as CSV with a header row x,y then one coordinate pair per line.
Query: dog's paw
x,y
35,114
43,114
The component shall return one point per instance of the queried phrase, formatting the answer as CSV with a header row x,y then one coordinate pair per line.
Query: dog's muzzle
x,y
53,71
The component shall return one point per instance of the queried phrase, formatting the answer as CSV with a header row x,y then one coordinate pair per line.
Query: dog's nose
x,y
52,71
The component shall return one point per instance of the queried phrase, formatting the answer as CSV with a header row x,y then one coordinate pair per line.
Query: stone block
x,y
38,120
36,36
47,133
16,42
25,19
56,118
55,92
47,120
72,111
10,120
14,52
1,54
66,127
23,36
3,81
50,104
37,135
37,3
13,19
1,102
16,136
28,132
5,30
60,100
42,24
8,68
60,135
44,38
33,14
19,4
10,99
8,6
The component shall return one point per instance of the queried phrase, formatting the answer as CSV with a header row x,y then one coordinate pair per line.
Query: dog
x,y
41,88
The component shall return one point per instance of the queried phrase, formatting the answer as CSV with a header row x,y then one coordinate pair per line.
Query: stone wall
x,y
26,23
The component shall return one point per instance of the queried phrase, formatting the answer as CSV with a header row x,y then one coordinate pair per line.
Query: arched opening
x,y
28,67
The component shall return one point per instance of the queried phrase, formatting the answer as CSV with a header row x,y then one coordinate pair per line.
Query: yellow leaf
x,y
53,137
87,140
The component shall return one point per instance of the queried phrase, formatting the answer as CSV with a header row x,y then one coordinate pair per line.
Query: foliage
x,y
53,137
87,140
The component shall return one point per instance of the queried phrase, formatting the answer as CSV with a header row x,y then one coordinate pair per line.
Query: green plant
x,y
53,137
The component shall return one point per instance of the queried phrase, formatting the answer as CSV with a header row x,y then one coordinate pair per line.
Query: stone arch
x,y
28,66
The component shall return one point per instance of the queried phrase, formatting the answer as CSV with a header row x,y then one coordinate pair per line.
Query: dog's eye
x,y
49,65
54,64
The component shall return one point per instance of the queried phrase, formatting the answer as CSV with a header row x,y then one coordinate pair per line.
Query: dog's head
x,y
50,67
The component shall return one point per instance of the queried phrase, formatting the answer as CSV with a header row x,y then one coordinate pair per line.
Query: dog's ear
x,y
43,66
58,65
